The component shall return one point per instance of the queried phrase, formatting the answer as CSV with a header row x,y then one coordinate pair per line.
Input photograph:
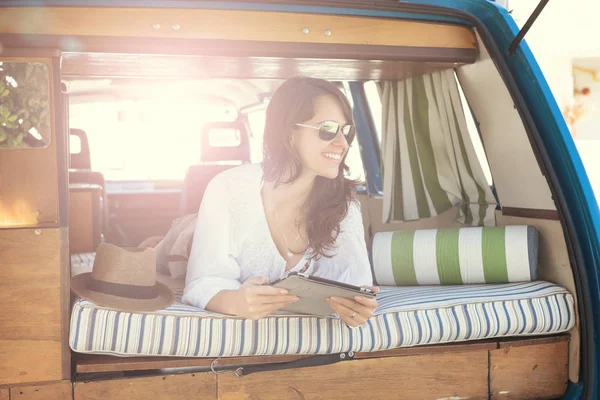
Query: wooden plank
x,y
530,213
231,25
518,342
29,361
100,65
4,393
554,266
29,198
91,363
169,387
528,372
30,300
65,295
62,390
430,376
441,348
81,222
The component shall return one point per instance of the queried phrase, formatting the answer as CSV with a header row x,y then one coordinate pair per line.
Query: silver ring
x,y
353,313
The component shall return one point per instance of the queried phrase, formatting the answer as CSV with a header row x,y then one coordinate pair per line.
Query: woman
x,y
295,212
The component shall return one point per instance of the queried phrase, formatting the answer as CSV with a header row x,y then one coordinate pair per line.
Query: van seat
x,y
215,159
406,317
195,183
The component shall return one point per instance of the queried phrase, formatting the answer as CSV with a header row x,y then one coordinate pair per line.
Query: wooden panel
x,y
528,372
231,25
413,377
65,294
89,363
520,342
4,394
81,222
435,349
169,387
553,266
28,179
30,300
29,360
48,391
101,65
530,213
94,363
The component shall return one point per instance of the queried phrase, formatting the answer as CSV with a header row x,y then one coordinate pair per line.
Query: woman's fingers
x,y
354,306
270,299
367,302
347,314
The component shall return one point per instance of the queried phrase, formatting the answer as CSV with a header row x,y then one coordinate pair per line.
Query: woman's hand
x,y
255,299
355,312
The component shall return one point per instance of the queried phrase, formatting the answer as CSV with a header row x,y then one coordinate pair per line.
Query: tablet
x,y
314,291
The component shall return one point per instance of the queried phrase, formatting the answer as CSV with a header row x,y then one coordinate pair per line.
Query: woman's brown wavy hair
x,y
294,102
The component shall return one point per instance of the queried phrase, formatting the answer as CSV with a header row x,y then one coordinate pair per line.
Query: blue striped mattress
x,y
407,316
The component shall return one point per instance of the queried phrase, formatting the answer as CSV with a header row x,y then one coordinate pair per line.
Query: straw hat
x,y
123,279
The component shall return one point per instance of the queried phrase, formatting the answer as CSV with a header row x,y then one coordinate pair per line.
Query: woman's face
x,y
320,157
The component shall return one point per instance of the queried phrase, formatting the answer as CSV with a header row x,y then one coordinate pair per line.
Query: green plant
x,y
24,105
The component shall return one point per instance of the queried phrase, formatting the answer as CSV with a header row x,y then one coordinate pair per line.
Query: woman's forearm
x,y
223,302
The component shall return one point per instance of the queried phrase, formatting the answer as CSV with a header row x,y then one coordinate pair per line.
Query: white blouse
x,y
232,241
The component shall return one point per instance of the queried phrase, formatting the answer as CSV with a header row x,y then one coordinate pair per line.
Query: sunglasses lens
x,y
328,130
348,132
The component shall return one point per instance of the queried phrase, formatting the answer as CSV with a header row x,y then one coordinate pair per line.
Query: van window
x,y
224,138
145,140
24,105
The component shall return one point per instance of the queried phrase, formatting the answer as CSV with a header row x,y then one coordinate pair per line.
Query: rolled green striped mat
x,y
455,256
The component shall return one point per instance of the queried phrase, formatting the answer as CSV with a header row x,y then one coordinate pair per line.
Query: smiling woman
x,y
294,213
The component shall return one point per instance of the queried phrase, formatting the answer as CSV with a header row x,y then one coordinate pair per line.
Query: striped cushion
x,y
407,316
455,256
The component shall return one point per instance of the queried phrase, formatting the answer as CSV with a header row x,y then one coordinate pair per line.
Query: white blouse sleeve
x,y
351,261
212,266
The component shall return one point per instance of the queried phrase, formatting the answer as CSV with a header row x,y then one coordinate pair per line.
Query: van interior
x,y
149,126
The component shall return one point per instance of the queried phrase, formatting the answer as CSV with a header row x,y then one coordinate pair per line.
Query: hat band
x,y
122,290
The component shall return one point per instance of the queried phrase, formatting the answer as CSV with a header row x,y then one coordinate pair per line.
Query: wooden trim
x,y
533,341
435,349
91,363
28,53
61,390
103,65
238,48
65,303
530,213
232,25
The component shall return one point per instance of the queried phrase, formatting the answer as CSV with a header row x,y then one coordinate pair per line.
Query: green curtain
x,y
429,162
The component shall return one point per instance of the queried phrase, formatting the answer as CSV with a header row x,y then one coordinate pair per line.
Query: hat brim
x,y
164,298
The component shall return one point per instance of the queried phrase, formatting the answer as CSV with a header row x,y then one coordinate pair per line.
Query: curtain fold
x,y
429,164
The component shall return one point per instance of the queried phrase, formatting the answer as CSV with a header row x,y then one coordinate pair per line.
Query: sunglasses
x,y
328,130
